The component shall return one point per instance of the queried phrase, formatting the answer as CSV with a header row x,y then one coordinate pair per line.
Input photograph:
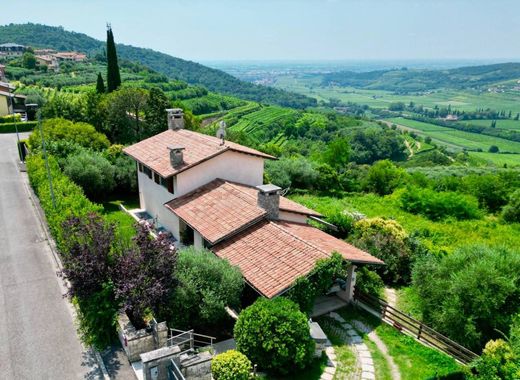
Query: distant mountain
x,y
403,80
44,36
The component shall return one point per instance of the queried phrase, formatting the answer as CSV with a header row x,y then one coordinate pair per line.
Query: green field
x,y
510,160
456,138
462,100
501,124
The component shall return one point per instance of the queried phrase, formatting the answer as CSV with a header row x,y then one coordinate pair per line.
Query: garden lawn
x,y
415,361
313,372
439,236
125,223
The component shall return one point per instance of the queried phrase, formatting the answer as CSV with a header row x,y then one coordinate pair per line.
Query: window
x,y
156,177
147,171
167,183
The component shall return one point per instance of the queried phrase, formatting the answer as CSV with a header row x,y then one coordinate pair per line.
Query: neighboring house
x,y
2,72
209,192
11,49
8,100
70,56
48,60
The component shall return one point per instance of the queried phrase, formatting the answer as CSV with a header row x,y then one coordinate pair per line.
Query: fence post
x,y
383,312
192,343
420,331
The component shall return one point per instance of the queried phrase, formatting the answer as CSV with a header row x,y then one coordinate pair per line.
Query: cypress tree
x,y
100,85
113,76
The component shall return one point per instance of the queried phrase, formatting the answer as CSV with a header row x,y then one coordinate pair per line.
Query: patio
x,y
326,304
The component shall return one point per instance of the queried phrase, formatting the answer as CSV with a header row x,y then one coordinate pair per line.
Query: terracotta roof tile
x,y
153,152
272,255
221,208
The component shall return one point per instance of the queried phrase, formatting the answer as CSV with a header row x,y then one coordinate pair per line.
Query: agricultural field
x,y
439,236
509,124
509,160
457,139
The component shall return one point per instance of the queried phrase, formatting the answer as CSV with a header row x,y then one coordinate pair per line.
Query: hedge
x,y
70,199
231,365
22,127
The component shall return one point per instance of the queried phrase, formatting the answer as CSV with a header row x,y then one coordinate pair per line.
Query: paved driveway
x,y
38,338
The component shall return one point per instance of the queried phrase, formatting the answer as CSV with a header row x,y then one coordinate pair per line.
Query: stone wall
x,y
135,342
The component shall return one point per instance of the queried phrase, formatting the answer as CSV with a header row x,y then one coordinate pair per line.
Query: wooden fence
x,y
404,322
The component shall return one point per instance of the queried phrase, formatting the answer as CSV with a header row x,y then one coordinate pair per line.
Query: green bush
x,y
383,177
438,205
388,241
275,335
206,285
511,211
470,295
369,282
231,365
82,134
92,172
70,199
22,127
498,361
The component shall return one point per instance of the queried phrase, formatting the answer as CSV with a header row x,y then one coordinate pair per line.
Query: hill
x,y
403,80
44,36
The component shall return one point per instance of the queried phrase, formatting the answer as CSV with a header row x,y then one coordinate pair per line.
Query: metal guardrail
x,y
189,340
402,321
174,373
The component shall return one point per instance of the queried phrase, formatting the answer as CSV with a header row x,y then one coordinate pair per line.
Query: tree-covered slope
x,y
419,80
44,36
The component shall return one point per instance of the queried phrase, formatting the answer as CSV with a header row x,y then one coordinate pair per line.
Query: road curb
x,y
40,214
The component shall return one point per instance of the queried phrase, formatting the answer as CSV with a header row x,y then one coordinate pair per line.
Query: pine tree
x,y
113,76
100,85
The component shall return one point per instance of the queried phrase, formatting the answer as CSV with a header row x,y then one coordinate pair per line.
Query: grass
x,y
501,123
312,372
345,357
124,222
462,139
415,361
509,160
439,236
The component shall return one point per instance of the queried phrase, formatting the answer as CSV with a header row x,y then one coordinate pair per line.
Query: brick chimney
x,y
268,198
175,118
176,155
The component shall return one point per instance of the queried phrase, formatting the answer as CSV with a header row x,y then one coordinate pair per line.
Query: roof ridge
x,y
300,238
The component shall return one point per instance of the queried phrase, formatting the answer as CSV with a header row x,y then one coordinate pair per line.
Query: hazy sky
x,y
291,29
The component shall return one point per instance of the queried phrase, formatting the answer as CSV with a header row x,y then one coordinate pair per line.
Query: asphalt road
x,y
38,338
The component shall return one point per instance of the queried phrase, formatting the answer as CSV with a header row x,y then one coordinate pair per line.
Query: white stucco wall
x,y
231,166
198,241
292,217
153,197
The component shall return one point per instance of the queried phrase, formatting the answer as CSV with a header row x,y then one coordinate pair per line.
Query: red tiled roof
x,y
221,208
216,210
153,152
272,255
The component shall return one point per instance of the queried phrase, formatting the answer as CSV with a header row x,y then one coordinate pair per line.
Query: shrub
x,y
511,212
489,189
206,285
343,222
92,172
471,294
388,241
60,129
22,127
292,172
275,335
70,199
383,177
231,365
124,169
498,361
438,205
369,282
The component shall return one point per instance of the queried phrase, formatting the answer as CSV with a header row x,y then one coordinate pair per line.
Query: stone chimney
x,y
175,118
269,200
176,155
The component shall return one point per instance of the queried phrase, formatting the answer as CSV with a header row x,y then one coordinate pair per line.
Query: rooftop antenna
x,y
221,132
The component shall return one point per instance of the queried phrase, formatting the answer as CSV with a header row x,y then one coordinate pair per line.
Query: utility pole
x,y
46,160
11,100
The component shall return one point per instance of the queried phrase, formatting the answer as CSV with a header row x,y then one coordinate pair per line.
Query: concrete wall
x,y
4,105
153,197
231,166
156,363
292,217
348,294
198,241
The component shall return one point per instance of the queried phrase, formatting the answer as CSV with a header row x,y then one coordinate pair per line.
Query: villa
x,y
209,193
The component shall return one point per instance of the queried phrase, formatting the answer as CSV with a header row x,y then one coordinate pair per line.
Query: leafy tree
x,y
231,365
388,241
144,275
511,212
92,172
100,85
383,177
113,75
373,144
124,169
125,109
490,190
337,154
275,335
155,112
206,285
29,60
498,361
493,149
471,294
296,172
